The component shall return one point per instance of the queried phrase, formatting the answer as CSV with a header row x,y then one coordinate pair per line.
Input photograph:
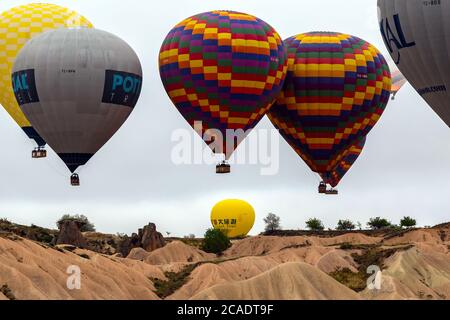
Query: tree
x,y
86,225
314,224
359,224
378,223
408,222
345,225
215,241
272,222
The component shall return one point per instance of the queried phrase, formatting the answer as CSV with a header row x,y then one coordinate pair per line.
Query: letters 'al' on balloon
x,y
17,26
417,35
77,87
336,89
224,69
234,217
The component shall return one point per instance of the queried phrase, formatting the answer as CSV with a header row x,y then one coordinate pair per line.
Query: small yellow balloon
x,y
17,26
234,217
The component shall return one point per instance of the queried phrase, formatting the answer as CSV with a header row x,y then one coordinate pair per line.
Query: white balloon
x,y
77,87
417,35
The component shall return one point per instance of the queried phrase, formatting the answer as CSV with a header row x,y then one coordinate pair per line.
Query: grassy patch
x,y
7,292
102,243
175,280
355,281
376,256
10,236
33,233
4,221
371,256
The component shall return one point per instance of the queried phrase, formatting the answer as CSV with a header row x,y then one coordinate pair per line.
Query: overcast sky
x,y
404,169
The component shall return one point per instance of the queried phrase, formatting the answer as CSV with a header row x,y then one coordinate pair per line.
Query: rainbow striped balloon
x,y
224,69
336,89
343,166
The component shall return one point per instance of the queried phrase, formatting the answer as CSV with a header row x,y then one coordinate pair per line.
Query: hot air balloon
x,y
17,26
234,217
417,35
343,165
77,87
336,89
223,71
398,81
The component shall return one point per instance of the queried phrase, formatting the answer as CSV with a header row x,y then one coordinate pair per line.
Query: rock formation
x,y
147,238
70,233
151,239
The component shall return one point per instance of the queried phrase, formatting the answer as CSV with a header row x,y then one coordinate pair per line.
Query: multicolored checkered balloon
x,y
336,89
343,166
224,69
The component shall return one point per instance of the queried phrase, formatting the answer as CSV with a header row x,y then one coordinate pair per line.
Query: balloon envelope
x,y
336,89
77,87
234,217
344,165
17,26
417,35
223,70
398,81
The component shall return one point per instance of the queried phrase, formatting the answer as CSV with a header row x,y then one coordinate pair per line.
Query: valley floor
x,y
415,265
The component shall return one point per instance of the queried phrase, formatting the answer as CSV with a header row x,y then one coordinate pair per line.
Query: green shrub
x,y
345,225
86,225
215,241
378,223
408,222
5,221
314,224
272,222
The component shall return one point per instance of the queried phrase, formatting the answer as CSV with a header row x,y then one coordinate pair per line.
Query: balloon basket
x,y
75,180
322,188
223,168
39,153
331,192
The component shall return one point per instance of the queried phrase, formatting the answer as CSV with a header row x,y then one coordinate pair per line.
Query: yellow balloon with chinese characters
x,y
17,26
234,217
